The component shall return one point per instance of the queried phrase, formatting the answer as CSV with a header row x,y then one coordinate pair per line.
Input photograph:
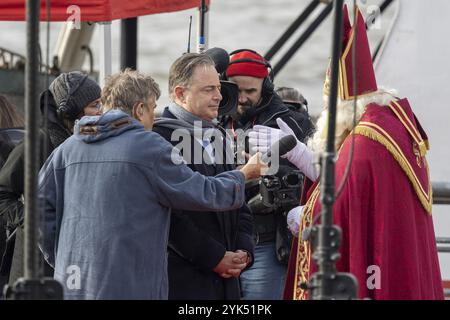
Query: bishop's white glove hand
x,y
293,220
262,138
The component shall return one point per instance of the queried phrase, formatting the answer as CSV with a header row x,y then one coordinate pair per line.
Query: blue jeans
x,y
265,279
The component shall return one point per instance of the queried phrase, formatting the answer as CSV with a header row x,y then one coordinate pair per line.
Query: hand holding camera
x,y
262,138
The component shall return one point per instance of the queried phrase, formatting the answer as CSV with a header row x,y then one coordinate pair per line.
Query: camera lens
x,y
292,179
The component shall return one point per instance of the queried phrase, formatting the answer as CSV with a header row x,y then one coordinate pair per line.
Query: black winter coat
x,y
198,241
12,188
5,149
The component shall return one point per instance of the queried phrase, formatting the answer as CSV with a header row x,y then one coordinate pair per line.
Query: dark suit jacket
x,y
198,241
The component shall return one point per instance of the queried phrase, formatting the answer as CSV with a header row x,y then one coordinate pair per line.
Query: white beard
x,y
344,121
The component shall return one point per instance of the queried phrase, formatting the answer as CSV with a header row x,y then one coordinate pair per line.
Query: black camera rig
x,y
278,193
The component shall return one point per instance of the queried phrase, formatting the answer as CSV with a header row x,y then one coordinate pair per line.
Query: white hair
x,y
344,120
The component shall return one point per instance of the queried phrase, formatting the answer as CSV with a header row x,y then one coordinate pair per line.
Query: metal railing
x,y
441,192
441,195
443,244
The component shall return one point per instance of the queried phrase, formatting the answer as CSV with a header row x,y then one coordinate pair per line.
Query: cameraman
x,y
293,99
260,105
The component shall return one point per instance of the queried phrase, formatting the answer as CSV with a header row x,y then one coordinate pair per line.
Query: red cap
x,y
365,75
247,68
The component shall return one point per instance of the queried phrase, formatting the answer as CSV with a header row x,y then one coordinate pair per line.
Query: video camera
x,y
278,193
229,91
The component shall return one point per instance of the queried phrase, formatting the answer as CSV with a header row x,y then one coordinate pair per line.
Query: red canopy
x,y
95,10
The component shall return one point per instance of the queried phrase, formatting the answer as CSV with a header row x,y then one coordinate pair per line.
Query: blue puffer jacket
x,y
107,191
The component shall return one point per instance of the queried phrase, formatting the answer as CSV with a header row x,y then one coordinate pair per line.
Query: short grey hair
x,y
123,90
182,69
290,94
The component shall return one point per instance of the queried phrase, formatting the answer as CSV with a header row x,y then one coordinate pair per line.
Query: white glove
x,y
262,138
293,220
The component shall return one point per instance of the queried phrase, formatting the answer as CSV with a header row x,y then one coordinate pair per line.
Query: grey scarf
x,y
192,123
183,114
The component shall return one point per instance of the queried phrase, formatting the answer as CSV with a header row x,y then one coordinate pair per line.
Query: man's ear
x,y
138,110
179,94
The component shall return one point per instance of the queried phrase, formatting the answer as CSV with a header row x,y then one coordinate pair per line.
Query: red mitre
x,y
365,75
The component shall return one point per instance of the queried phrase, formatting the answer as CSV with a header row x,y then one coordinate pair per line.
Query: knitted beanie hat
x,y
72,92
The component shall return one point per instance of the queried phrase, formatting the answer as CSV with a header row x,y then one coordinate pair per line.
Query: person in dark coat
x,y
259,104
69,97
10,118
11,127
207,252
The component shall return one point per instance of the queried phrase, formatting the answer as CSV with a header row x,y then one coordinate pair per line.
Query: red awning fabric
x,y
95,10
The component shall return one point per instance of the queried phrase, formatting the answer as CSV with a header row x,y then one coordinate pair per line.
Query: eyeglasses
x,y
98,106
94,107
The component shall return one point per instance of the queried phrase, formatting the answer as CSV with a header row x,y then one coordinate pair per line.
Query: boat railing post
x,y
105,52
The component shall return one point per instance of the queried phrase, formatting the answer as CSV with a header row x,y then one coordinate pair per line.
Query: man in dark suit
x,y
207,252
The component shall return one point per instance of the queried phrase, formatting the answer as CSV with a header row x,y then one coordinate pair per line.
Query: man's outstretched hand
x,y
254,168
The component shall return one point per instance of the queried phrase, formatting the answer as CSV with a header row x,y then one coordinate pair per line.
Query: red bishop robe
x,y
384,211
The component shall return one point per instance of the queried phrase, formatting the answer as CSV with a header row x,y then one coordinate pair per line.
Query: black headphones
x,y
64,111
267,85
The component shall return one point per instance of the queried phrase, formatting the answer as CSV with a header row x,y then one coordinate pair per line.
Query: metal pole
x,y
31,286
441,192
203,9
443,240
316,23
291,29
105,49
31,139
327,194
327,283
128,43
385,4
